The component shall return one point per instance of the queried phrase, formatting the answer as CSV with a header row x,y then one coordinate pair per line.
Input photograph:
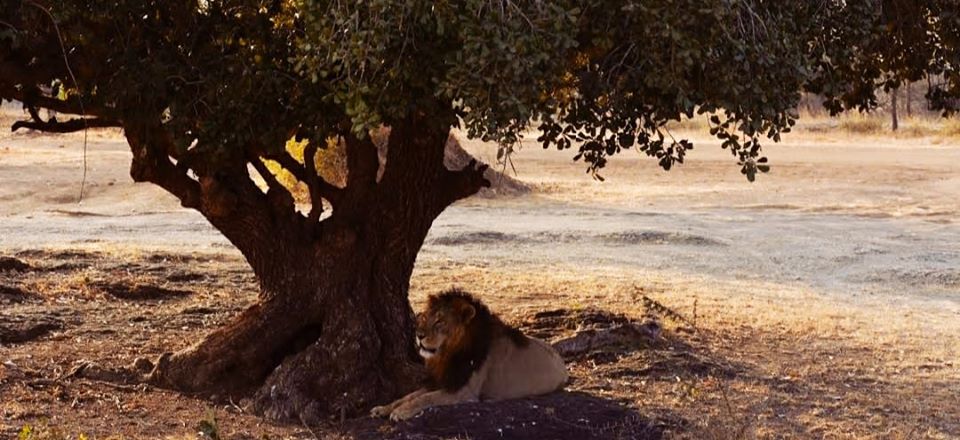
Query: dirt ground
x,y
822,301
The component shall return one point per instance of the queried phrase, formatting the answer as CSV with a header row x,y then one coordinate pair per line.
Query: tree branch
x,y
73,125
324,189
147,166
465,182
313,182
71,105
279,197
268,177
363,161
290,164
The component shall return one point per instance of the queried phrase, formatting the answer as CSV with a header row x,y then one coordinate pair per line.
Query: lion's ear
x,y
467,312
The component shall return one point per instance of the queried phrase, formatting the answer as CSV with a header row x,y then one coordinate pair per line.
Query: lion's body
x,y
472,355
512,371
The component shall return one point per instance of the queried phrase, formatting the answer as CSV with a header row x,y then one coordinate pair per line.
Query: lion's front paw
x,y
380,411
403,413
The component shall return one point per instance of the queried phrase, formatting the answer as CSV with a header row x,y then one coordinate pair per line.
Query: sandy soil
x,y
822,301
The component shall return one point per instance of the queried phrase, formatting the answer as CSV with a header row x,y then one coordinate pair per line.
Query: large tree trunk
x,y
329,337
331,333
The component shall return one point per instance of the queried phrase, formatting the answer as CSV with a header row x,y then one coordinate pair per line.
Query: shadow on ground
x,y
608,342
559,416
62,361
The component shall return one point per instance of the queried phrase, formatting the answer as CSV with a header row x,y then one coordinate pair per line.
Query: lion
x,y
472,355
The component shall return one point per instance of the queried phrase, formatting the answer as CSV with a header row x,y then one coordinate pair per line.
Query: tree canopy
x,y
601,76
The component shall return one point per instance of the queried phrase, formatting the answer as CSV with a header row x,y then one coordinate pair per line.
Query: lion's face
x,y
441,326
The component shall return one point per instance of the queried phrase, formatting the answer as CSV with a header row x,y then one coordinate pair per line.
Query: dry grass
x,y
861,124
801,365
848,125
951,128
767,360
873,124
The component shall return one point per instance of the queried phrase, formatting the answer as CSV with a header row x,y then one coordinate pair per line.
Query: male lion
x,y
471,355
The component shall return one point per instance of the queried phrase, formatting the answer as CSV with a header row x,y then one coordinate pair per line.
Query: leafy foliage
x,y
609,75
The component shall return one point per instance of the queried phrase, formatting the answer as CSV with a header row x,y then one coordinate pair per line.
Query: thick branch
x,y
148,166
32,97
465,182
290,164
14,72
362,161
71,105
313,182
324,188
34,114
224,193
279,197
360,191
268,177
416,148
73,125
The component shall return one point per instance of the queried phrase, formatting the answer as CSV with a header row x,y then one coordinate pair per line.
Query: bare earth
x,y
822,301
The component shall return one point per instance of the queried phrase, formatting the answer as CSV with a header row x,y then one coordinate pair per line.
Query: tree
x,y
894,120
209,92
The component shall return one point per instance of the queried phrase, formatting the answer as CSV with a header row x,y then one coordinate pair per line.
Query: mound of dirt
x,y
598,333
550,323
658,237
20,329
481,237
12,294
138,292
558,416
13,264
185,277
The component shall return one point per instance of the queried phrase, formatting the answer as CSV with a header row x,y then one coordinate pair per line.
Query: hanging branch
x,y
73,125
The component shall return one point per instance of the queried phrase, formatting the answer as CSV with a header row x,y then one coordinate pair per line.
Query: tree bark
x,y
322,340
895,121
909,99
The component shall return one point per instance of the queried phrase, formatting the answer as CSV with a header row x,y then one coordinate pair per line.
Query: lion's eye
x,y
437,324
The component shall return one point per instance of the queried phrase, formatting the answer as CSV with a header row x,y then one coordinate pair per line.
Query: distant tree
x,y
894,118
208,90
909,98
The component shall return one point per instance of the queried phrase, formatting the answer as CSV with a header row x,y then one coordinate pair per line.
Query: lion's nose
x,y
420,335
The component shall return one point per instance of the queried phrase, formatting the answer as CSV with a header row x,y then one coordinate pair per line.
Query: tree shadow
x,y
595,336
561,415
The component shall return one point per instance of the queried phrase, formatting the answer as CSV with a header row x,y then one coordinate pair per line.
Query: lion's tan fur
x,y
476,357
